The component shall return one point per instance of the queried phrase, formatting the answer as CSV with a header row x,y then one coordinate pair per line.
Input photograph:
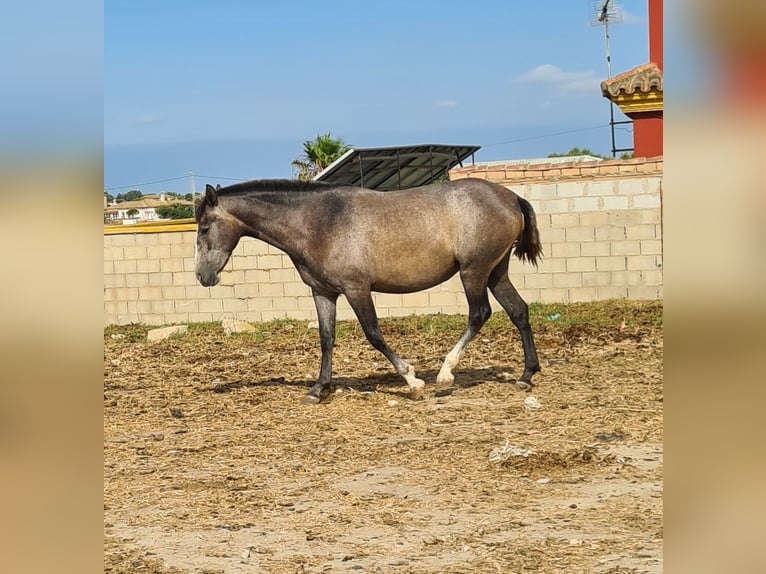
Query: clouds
x,y
445,104
147,119
573,84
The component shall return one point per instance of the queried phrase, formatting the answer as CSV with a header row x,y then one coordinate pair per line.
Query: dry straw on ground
x,y
211,464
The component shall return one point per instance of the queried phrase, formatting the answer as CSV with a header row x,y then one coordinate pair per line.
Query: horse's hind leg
x,y
479,311
361,303
518,311
325,305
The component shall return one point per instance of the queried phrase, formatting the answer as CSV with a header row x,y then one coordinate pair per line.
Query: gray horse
x,y
352,241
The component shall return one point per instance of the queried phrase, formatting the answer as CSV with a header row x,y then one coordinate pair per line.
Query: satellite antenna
x,y
603,13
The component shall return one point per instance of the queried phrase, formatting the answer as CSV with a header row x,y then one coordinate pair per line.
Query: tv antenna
x,y
603,13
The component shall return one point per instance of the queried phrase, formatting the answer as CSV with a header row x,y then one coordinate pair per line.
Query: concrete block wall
x,y
600,225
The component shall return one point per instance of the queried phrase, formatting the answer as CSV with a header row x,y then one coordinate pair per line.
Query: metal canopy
x,y
398,167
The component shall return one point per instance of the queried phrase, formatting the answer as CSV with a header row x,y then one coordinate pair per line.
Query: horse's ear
x,y
218,187
211,195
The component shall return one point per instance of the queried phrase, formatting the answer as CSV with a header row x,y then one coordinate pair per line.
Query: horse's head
x,y
218,233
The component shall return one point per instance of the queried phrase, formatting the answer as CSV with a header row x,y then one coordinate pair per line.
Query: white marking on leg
x,y
416,385
445,376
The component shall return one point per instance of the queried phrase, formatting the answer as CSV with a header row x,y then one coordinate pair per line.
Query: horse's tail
x,y
528,245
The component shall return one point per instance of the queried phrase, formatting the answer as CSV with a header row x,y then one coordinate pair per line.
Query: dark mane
x,y
271,185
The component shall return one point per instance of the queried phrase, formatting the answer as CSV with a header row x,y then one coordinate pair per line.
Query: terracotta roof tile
x,y
642,79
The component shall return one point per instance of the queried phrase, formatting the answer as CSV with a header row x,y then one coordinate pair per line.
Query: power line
x,y
145,183
215,177
548,135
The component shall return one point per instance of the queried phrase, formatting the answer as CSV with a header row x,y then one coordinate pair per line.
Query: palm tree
x,y
318,154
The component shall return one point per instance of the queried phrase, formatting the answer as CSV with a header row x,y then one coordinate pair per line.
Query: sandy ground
x,y
211,464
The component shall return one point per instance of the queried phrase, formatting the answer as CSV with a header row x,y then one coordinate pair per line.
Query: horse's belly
x,y
408,279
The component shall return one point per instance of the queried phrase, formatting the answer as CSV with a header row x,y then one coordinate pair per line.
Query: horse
x,y
351,241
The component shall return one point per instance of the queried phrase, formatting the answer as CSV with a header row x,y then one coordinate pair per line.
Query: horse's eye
x,y
203,230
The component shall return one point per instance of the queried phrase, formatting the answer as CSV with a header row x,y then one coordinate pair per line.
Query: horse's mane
x,y
272,185
266,186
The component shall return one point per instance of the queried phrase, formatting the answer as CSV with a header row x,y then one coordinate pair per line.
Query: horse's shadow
x,y
389,383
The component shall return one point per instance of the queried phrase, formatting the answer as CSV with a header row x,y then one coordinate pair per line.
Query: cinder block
x,y
143,307
189,264
148,265
150,293
169,265
246,290
611,263
387,300
571,189
650,216
595,278
184,278
186,305
538,281
603,189
176,318
585,204
642,262
234,305
564,280
625,278
157,252
203,317
113,253
181,250
541,191
147,239
271,315
581,264
565,219
268,262
162,307
594,249
244,263
651,278
120,240
624,247
551,265
625,217
610,233
530,295
614,202
222,292
126,294
259,303
113,281
256,276
555,206
288,304
306,303
651,247
580,233
415,300
594,219
644,231
565,250
108,267
137,279
442,299
283,275
271,250
645,201
160,279
126,267
553,235
631,186
175,237
197,291
135,252
580,294
271,290
296,289
209,306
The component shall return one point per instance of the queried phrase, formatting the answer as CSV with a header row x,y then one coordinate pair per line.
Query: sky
x,y
229,90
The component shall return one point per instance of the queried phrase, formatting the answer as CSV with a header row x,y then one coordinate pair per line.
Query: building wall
x,y
600,224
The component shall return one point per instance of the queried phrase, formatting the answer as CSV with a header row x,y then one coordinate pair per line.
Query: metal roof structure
x,y
397,167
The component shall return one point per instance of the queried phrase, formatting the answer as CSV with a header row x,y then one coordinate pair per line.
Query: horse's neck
x,y
276,223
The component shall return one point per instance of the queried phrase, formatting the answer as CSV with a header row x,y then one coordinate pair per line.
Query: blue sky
x,y
231,89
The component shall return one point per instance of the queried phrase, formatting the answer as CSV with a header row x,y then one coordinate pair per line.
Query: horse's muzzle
x,y
208,280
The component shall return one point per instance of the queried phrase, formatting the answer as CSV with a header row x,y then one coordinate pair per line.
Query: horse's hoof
x,y
444,381
417,394
310,400
524,385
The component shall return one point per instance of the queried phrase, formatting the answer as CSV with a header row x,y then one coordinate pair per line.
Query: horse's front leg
x,y
362,304
325,305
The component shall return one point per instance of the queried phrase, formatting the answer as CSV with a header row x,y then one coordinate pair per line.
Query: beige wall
x,y
601,234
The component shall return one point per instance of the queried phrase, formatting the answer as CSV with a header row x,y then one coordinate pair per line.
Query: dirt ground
x,y
212,465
